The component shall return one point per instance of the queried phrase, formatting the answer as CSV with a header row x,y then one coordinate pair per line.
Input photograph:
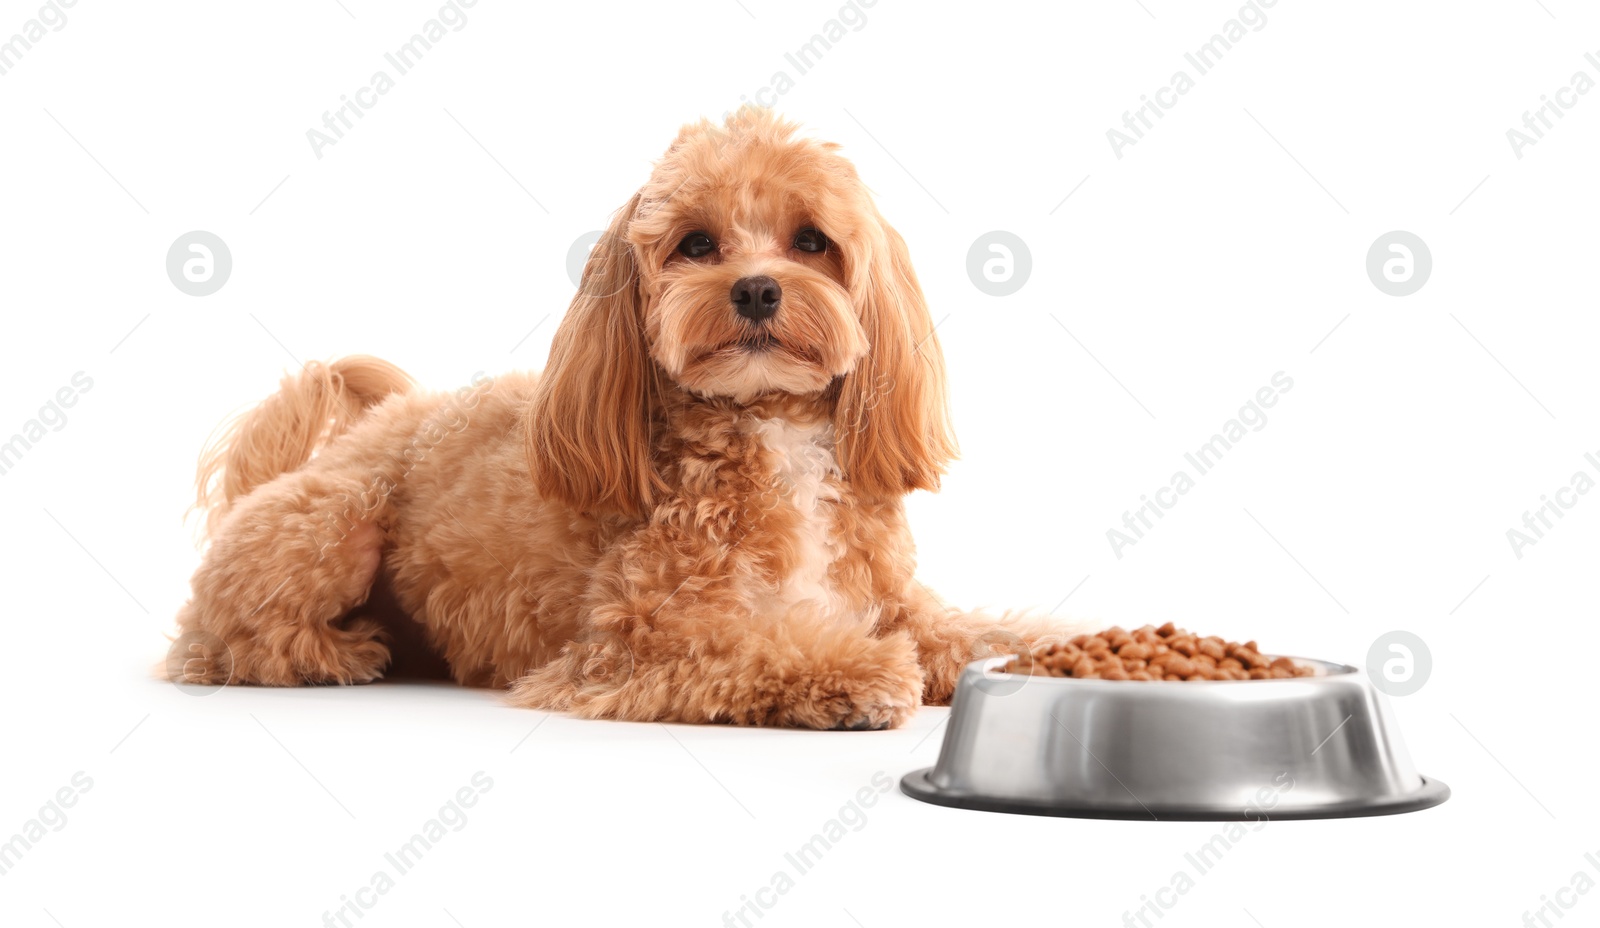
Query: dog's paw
x,y
943,666
551,687
840,681
587,677
354,654
836,702
873,686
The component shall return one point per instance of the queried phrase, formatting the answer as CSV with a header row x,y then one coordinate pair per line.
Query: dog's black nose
x,y
756,298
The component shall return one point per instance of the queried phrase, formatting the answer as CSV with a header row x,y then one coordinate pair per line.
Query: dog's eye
x,y
810,240
696,245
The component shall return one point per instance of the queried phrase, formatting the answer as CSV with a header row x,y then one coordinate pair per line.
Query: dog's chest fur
x,y
805,480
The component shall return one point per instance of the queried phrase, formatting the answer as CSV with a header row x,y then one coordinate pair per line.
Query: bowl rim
x,y
1328,670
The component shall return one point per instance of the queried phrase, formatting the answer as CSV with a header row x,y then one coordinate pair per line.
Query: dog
x,y
693,514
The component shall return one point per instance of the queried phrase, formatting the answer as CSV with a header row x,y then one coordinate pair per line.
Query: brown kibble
x,y
1150,654
1250,658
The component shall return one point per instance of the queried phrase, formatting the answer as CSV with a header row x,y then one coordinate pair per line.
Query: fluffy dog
x,y
693,514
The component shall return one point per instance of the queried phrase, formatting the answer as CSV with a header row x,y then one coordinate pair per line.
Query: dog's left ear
x,y
892,419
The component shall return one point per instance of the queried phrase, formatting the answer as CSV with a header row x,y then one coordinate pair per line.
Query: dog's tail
x,y
309,410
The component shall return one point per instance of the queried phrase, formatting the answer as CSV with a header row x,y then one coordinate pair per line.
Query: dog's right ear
x,y
589,422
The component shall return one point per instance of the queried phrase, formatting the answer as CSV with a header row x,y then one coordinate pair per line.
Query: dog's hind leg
x,y
296,508
293,557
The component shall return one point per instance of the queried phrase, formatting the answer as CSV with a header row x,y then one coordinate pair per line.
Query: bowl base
x,y
916,785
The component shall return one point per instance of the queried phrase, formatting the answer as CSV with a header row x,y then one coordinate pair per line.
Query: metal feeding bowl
x,y
1321,746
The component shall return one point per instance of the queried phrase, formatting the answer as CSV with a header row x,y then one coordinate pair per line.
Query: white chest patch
x,y
805,463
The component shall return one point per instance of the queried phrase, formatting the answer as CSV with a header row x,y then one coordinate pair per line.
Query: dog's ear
x,y
893,420
589,422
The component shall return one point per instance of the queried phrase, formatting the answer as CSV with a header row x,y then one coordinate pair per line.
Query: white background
x,y
1193,268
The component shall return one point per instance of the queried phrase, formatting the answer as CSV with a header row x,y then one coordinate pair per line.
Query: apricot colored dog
x,y
693,514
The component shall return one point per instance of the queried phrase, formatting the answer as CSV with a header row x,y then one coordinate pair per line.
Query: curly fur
x,y
687,517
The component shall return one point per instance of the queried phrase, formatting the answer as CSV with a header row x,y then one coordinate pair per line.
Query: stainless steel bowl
x,y
1323,746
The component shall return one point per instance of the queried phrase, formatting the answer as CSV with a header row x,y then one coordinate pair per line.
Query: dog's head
x,y
750,264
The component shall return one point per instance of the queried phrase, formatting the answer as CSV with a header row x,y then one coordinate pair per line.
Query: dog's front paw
x,y
875,684
851,705
361,654
943,665
551,687
836,679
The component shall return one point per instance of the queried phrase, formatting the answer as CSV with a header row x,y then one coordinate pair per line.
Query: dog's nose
x,y
756,298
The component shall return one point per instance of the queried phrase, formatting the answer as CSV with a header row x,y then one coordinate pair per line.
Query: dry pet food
x,y
1150,653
